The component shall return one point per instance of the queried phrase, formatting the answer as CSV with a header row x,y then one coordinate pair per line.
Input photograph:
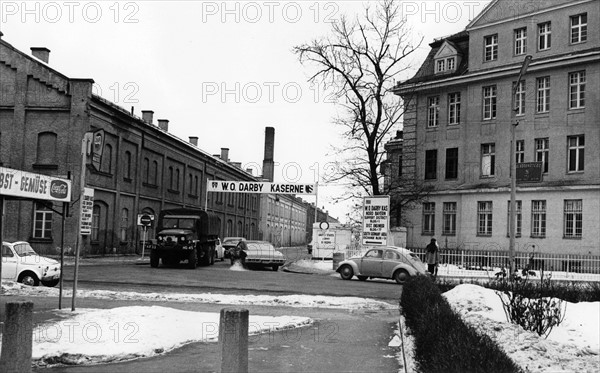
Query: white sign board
x,y
376,220
87,207
259,187
326,239
37,186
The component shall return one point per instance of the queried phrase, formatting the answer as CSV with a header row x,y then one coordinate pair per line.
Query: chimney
x,y
194,140
249,171
147,116
268,164
399,134
237,164
217,156
163,124
41,53
225,154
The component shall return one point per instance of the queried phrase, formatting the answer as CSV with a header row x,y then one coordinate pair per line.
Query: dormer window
x,y
447,58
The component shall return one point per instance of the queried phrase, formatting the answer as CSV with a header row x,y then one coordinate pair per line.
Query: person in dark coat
x,y
432,257
240,252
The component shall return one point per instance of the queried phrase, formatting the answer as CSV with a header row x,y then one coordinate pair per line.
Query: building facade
x,y
457,130
144,168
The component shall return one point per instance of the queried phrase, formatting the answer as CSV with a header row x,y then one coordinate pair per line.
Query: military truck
x,y
185,234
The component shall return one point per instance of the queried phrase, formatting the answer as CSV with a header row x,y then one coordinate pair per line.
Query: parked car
x,y
219,250
22,264
263,254
230,243
388,262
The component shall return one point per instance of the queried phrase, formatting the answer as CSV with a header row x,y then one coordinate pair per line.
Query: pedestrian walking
x,y
432,257
240,252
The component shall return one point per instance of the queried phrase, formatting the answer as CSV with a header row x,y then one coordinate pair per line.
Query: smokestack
x,y
41,53
225,154
147,116
194,140
268,164
163,124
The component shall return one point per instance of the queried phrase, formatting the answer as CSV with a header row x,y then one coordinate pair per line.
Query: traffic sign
x,y
145,220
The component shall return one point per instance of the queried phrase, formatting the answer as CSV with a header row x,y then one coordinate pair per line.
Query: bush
x,y
443,342
531,305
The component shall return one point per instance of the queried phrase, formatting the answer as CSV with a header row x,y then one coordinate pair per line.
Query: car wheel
x,y
275,268
192,259
154,260
401,276
51,283
28,278
362,278
346,272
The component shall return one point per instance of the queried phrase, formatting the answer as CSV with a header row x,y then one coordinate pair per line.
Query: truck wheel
x,y
192,259
275,268
154,260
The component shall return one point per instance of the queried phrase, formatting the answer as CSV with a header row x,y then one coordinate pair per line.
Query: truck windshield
x,y
181,223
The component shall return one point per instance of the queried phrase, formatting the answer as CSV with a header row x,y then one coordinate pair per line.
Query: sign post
x,y
376,220
145,220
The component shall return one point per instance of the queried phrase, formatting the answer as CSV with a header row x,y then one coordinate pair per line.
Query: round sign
x,y
146,220
324,225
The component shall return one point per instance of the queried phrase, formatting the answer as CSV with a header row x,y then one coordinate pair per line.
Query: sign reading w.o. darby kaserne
x,y
259,187
24,184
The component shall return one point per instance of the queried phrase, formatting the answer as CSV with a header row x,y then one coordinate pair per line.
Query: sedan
x,y
22,264
262,253
388,262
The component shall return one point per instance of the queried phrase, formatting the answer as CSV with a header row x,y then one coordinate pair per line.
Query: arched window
x,y
229,227
177,179
96,212
155,172
124,224
107,159
171,177
146,171
46,148
127,165
240,233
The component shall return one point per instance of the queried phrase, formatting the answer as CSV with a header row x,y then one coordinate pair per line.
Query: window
x,y
484,218
489,102
155,172
573,217
452,163
127,166
429,218
46,149
441,66
542,148
518,218
576,145
451,62
431,164
488,160
520,151
520,98
449,219
490,47
579,28
191,190
543,94
95,223
544,36
520,41
107,159
171,178
454,108
42,221
538,218
124,224
177,178
146,170
433,110
577,90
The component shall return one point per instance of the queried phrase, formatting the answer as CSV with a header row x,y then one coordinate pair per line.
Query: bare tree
x,y
362,57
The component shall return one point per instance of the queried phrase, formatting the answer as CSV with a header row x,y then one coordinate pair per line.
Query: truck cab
x,y
185,234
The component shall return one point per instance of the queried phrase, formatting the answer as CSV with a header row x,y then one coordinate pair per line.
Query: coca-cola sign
x,y
59,189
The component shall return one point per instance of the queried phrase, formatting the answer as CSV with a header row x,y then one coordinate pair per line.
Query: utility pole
x,y
513,169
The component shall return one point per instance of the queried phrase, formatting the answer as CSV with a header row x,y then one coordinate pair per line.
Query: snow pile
x,y
572,346
317,267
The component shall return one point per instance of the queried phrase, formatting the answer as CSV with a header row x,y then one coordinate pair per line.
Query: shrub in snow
x,y
532,305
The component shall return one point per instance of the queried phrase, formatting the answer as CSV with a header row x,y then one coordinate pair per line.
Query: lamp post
x,y
513,168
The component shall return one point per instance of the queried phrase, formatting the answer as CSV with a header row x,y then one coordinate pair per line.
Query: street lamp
x,y
513,168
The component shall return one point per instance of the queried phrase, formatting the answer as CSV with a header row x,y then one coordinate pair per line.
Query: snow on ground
x,y
573,346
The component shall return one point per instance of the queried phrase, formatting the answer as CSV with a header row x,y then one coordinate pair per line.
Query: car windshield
x,y
178,223
24,249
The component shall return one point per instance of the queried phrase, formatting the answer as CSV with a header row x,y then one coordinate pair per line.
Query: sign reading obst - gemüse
x,y
259,187
24,184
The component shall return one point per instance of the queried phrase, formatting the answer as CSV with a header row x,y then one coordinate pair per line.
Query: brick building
x,y
43,118
456,134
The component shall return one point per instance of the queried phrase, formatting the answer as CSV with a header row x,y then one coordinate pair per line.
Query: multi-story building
x,y
144,168
457,129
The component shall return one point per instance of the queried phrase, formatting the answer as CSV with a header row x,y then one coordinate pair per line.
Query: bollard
x,y
233,340
17,338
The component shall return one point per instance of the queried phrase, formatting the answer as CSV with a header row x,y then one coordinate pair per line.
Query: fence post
x,y
233,340
17,338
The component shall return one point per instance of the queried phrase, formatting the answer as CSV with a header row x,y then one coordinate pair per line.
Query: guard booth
x,y
329,239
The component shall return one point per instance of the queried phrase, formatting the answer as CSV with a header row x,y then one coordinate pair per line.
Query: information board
x,y
24,184
326,239
87,207
376,220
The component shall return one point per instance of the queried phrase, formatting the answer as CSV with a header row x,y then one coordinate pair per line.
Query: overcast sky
x,y
222,71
